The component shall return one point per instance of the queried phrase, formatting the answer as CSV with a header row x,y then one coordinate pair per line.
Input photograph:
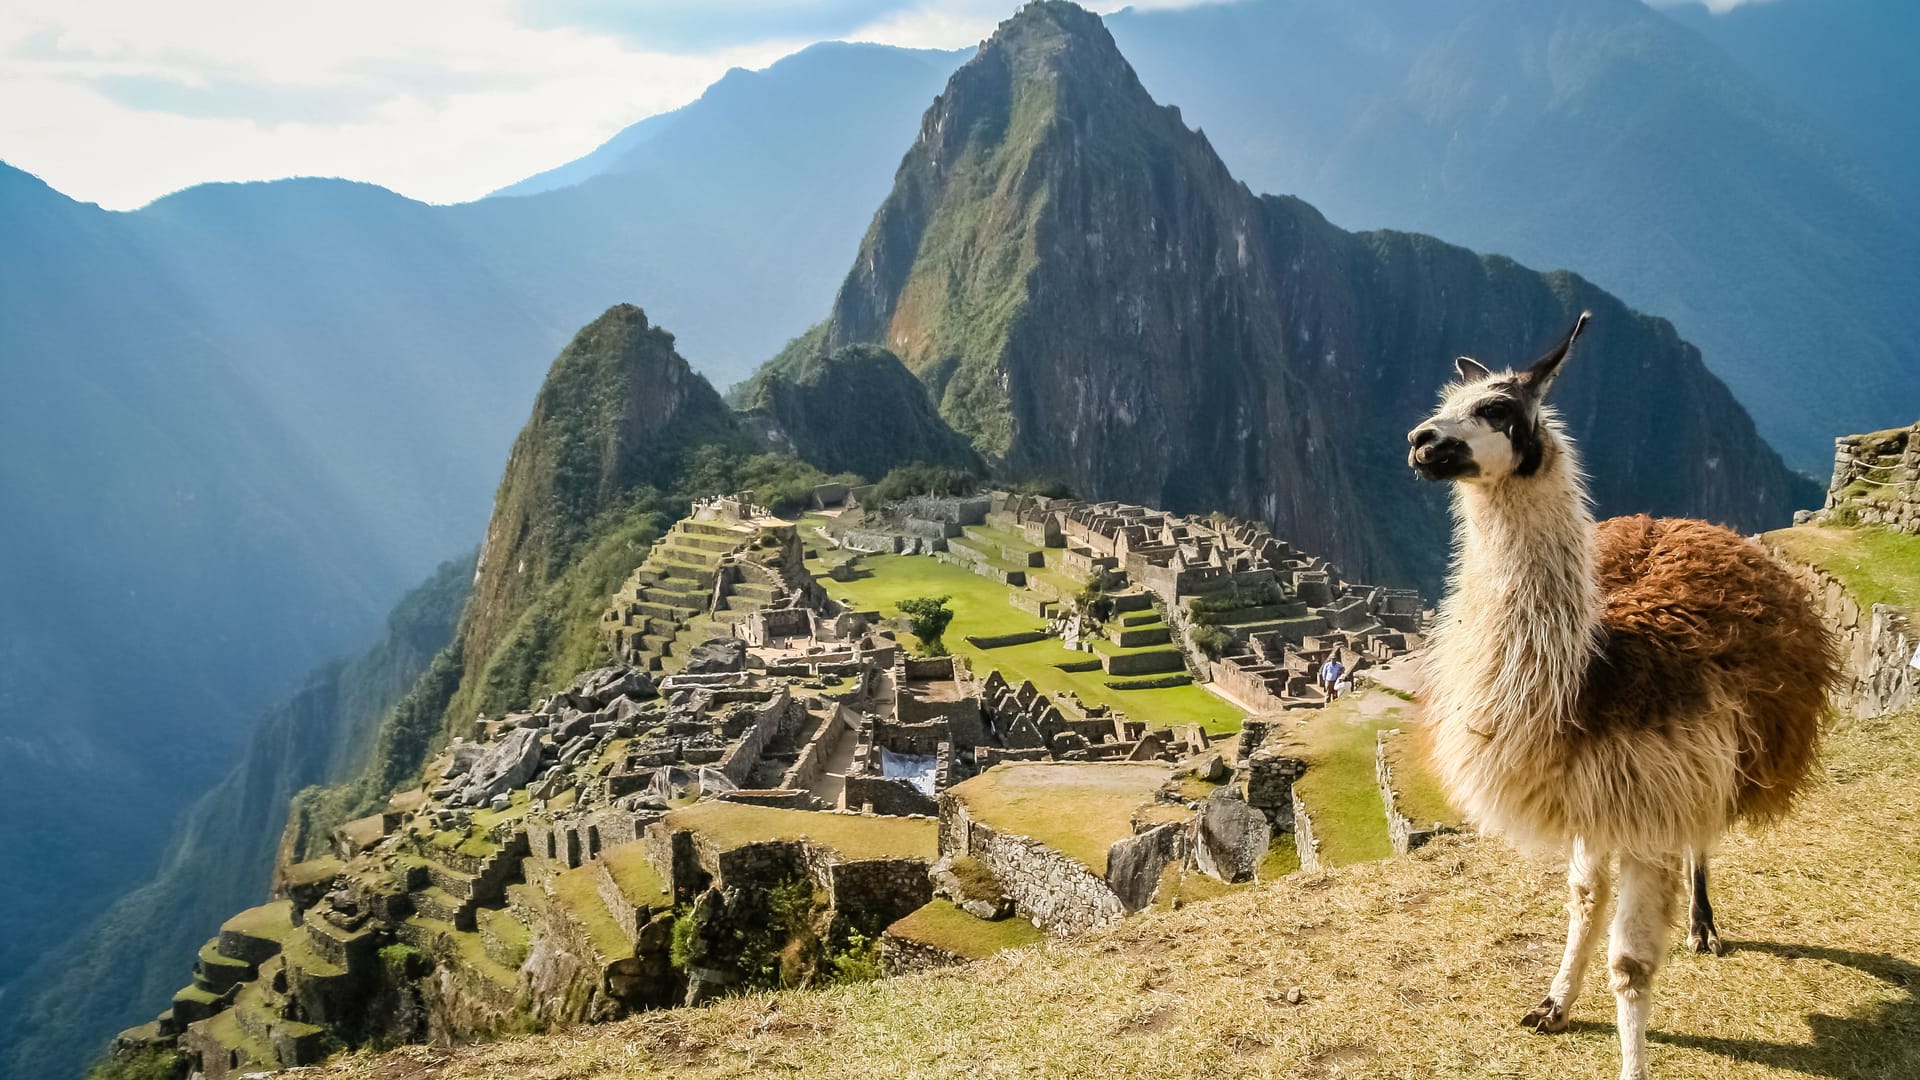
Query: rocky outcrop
x,y
1075,276
855,409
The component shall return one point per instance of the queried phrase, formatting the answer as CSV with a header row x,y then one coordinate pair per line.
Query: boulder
x,y
716,655
670,784
1233,837
461,760
1134,865
508,765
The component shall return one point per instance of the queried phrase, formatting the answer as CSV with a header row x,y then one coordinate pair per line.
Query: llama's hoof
x,y
1548,1016
1705,939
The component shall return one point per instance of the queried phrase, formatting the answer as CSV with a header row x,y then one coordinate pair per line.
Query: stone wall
x,y
1879,646
1303,838
1401,830
1060,895
841,725
889,795
744,755
900,956
1876,480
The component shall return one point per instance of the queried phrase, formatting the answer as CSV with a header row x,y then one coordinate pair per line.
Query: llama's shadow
x,y
1869,1047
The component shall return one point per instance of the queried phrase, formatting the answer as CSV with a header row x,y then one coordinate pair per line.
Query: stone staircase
x,y
691,587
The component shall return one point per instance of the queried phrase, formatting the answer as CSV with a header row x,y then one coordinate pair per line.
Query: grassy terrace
x,y
578,891
271,922
856,838
1340,788
638,881
1029,799
1878,566
1414,967
946,927
981,609
1420,795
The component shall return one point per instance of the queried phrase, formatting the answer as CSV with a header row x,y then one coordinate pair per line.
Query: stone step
x,y
191,1003
216,971
753,590
436,903
505,938
718,545
458,883
671,555
710,528
662,611
255,934
346,948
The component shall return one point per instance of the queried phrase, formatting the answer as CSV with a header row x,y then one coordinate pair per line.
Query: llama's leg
x,y
1587,888
1646,909
1702,936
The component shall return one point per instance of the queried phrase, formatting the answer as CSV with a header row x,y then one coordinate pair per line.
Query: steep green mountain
x,y
1601,136
591,481
223,849
856,410
236,424
1075,276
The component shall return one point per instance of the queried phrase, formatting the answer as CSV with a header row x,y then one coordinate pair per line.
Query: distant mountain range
x,y
237,423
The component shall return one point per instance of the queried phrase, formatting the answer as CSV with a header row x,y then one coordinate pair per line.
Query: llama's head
x,y
1492,425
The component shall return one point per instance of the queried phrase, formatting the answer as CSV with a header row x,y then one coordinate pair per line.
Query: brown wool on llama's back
x,y
1691,611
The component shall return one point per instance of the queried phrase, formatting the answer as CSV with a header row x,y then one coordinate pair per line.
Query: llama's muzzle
x,y
1438,457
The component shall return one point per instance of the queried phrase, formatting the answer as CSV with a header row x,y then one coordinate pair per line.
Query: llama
x,y
1624,689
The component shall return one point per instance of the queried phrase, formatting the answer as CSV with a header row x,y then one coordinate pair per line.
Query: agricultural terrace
x,y
982,608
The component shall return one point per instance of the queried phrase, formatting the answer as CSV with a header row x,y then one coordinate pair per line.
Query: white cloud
x,y
441,100
121,101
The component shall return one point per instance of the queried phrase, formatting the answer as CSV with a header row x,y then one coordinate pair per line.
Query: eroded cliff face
x,y
1089,295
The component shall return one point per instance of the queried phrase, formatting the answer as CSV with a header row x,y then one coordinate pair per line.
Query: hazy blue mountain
x,y
1596,135
734,220
236,423
1848,64
221,855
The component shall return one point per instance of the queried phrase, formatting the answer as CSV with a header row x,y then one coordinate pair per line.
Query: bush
x,y
152,1063
923,479
928,617
1211,640
858,962
1094,603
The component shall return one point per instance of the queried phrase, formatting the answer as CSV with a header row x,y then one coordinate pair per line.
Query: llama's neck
x,y
1520,623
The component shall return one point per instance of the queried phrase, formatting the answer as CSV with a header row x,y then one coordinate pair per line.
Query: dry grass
x,y
1413,967
1076,808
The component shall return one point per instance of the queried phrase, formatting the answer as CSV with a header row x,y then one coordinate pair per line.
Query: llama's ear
x,y
1470,369
1541,375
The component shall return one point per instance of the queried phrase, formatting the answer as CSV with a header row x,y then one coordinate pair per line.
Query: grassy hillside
x,y
1412,967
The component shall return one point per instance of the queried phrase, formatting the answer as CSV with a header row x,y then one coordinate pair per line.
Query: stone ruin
x,y
1299,609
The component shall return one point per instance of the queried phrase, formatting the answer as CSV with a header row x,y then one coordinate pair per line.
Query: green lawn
x,y
578,891
855,837
946,927
981,609
1028,800
271,922
1421,797
633,872
1876,565
1340,788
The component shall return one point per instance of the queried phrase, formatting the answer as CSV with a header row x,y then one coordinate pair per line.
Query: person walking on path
x,y
1331,673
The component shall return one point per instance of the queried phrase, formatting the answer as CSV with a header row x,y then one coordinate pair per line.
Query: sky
x,y
122,101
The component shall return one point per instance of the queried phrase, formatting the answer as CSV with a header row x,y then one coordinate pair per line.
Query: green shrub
x,y
859,961
152,1063
923,479
1211,640
928,617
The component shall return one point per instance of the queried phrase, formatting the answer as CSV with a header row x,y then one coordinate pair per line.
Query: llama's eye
x,y
1494,412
